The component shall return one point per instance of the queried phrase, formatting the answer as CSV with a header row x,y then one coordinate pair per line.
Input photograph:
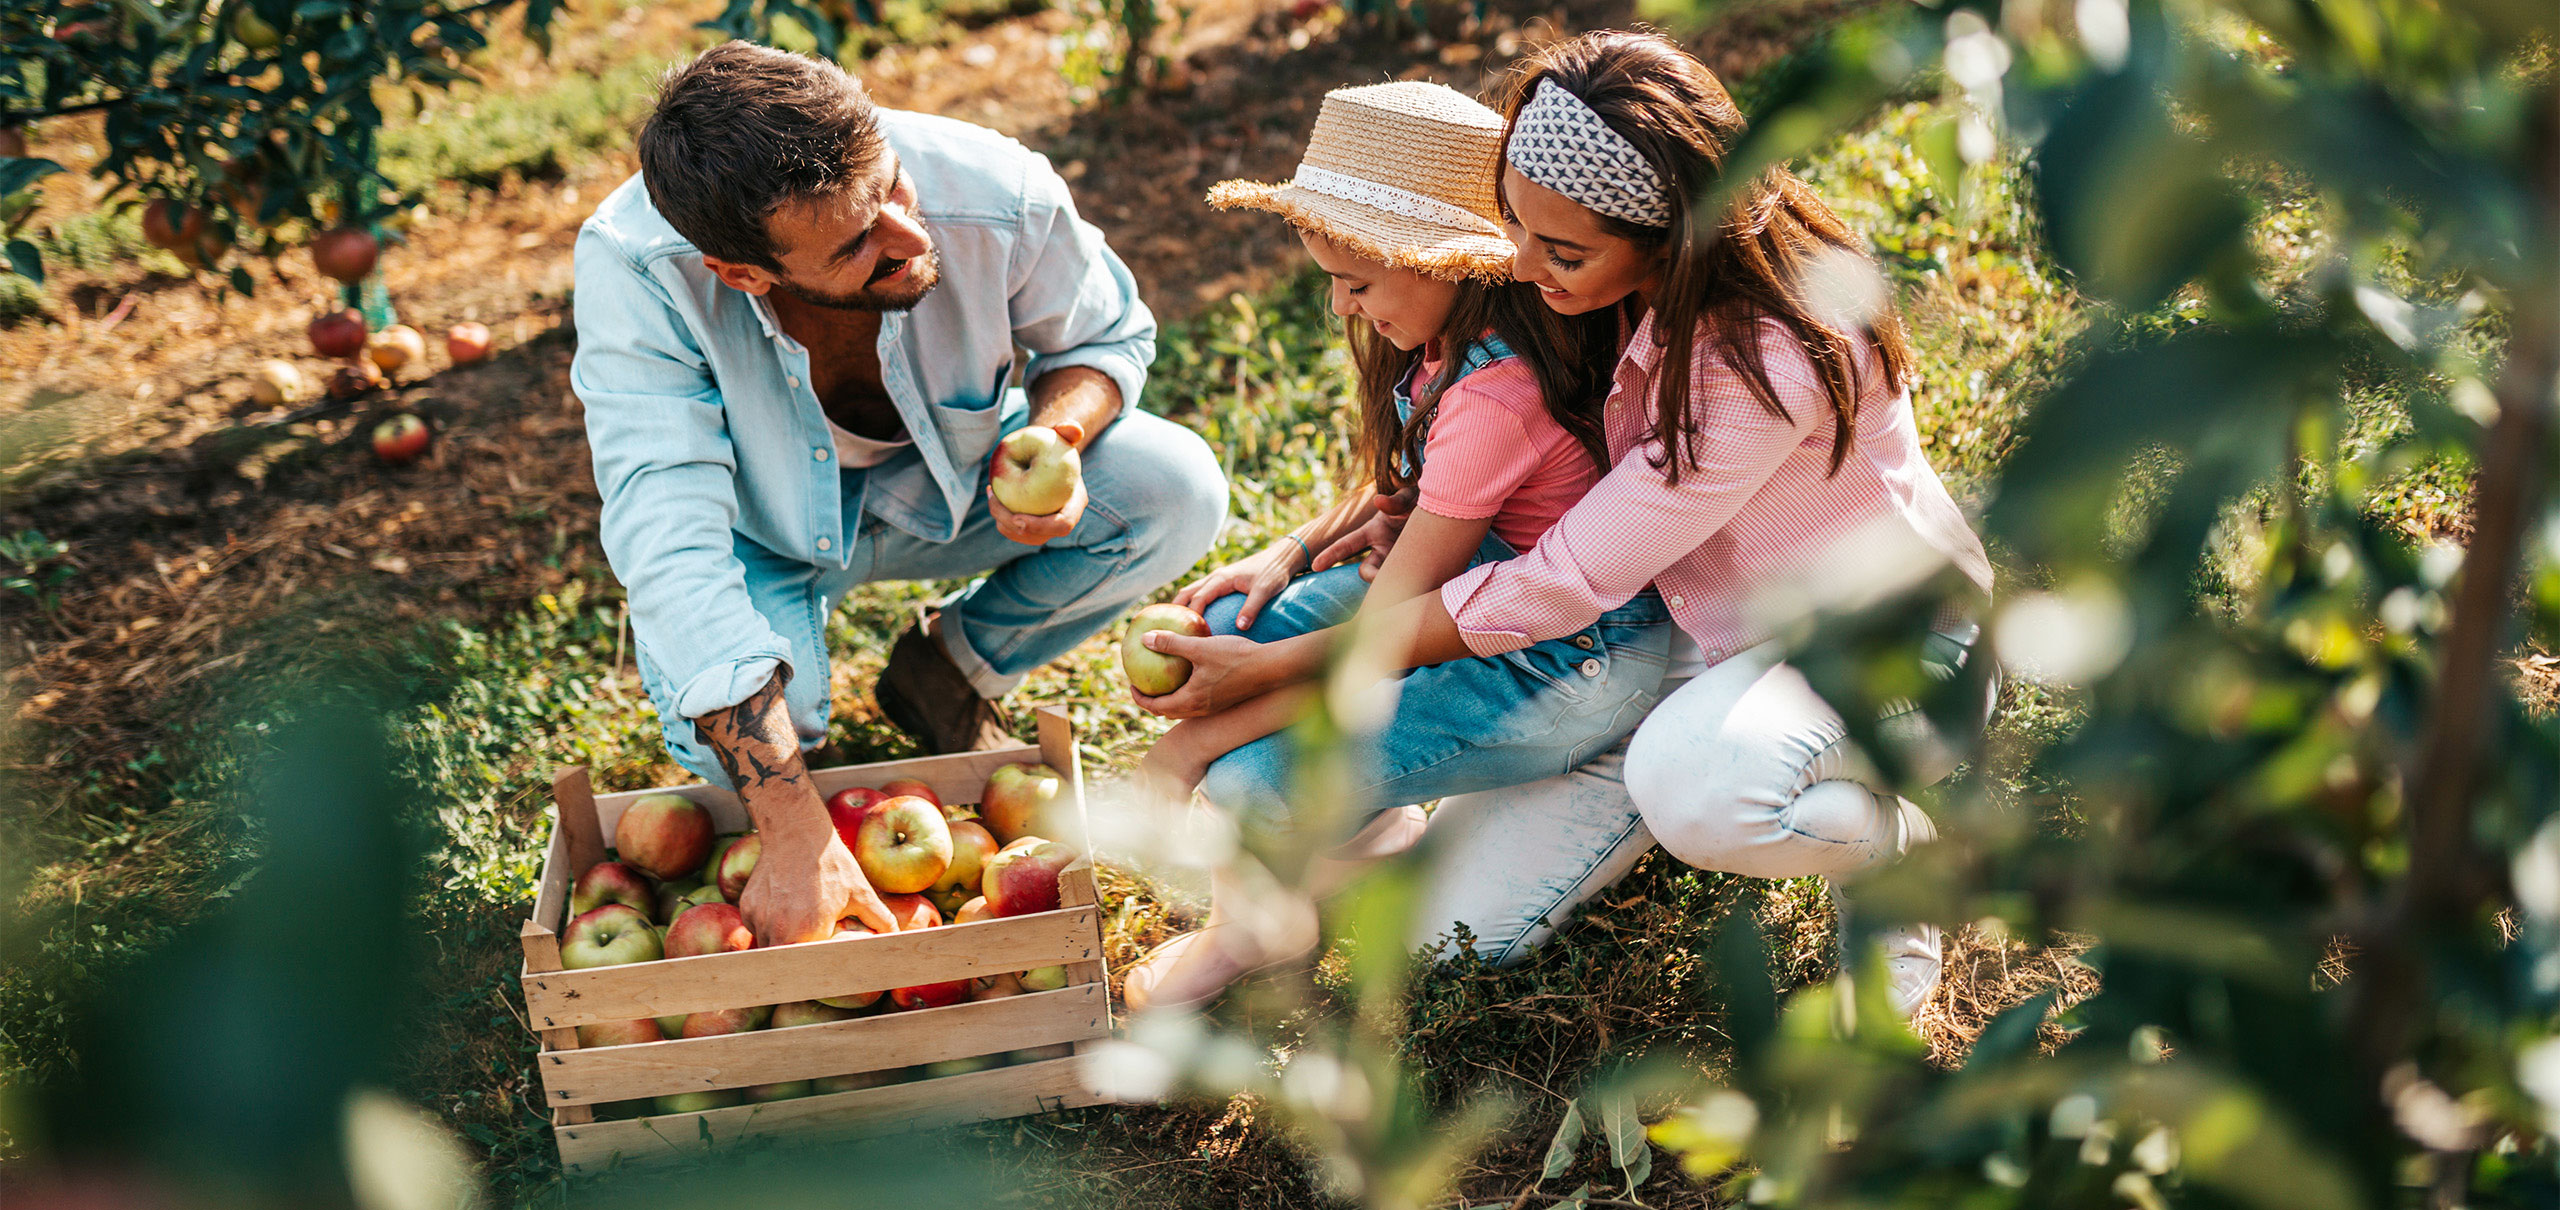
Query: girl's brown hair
x,y
1571,356
1732,270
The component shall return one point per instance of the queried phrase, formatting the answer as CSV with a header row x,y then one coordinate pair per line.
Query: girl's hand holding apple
x,y
1225,670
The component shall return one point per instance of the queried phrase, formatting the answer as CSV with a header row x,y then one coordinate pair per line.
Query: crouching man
x,y
796,338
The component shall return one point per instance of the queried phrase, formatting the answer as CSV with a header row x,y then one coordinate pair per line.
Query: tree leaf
x,y
241,281
24,260
1560,1150
1629,1151
17,174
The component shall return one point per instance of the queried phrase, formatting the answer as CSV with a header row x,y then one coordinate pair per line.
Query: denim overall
x,y
1480,723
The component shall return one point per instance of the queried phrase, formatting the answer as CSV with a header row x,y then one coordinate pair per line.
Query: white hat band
x,y
1558,141
1366,192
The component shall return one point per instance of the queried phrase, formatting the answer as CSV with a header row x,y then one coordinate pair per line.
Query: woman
x,y
1757,442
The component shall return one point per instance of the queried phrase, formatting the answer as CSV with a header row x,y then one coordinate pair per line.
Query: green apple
x,y
611,935
1155,673
696,1102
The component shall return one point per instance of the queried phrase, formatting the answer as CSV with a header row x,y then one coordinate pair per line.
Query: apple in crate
x,y
695,1102
912,912
960,1067
1057,1050
665,835
759,1094
708,928
845,809
1022,877
1043,978
903,844
1019,801
809,1012
620,1033
858,1080
737,865
994,987
609,882
975,909
1152,672
930,995
713,1023
671,898
697,897
849,927
909,787
720,846
971,846
610,935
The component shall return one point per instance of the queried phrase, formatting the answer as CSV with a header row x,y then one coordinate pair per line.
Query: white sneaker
x,y
1913,957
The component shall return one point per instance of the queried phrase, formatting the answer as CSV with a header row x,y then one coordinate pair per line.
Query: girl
x,y
1758,440
1479,397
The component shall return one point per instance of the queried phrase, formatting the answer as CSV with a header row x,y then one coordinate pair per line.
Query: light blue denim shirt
x,y
704,428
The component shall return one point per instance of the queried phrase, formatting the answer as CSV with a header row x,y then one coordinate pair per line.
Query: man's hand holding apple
x,y
806,880
1035,484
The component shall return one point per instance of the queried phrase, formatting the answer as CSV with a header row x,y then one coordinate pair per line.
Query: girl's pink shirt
x,y
1493,451
1756,521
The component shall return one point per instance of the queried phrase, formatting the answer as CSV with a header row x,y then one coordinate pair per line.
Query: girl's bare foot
x,y
1190,970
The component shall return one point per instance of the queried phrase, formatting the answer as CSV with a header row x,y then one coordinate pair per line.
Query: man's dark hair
x,y
743,130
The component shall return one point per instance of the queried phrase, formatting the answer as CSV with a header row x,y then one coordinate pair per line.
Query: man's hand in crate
x,y
811,880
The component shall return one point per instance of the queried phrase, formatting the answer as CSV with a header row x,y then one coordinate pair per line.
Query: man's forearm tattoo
x,y
754,741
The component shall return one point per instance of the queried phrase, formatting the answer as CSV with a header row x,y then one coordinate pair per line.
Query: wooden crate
x,y
574,1080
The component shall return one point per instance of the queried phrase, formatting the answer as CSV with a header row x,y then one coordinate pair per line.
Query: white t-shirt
x,y
857,451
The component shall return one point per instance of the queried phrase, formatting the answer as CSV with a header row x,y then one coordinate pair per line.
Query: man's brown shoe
x,y
928,697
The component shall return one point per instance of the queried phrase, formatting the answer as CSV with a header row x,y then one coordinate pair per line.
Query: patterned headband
x,y
1559,142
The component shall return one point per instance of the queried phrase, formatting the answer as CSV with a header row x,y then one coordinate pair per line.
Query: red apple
x,y
466,343
975,909
345,253
396,346
13,143
930,995
1022,878
1035,472
913,912
338,334
737,865
809,1012
1155,673
1023,800
853,928
620,1033
400,439
353,379
695,1102
971,846
609,882
903,844
713,1023
846,807
666,835
710,928
611,935
909,787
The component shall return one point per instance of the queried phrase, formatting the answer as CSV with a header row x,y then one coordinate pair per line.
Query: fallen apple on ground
x,y
738,864
394,347
709,928
466,343
338,333
903,844
1036,471
1152,672
275,383
1022,877
400,439
353,379
609,882
665,835
1021,800
612,935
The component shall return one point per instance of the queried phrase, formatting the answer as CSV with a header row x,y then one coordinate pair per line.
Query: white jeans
x,y
1743,769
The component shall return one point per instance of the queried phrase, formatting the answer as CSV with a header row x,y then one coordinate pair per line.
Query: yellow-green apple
x,y
345,253
1022,800
850,927
958,1067
859,1080
971,846
912,912
719,848
338,334
903,844
994,987
672,1027
611,935
671,898
620,1033
706,893
1152,672
609,882
737,865
666,835
396,346
467,343
758,1094
712,1023
695,1102
709,928
1057,1050
846,807
275,383
975,909
1044,978
909,787
809,1012
1022,877
1036,471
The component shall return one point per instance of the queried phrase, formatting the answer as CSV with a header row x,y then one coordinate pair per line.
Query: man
x,y
796,328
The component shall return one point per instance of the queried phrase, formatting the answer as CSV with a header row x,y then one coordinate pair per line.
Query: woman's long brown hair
x,y
1571,357
1752,263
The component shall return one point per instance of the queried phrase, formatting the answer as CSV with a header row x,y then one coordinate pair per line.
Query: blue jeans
x,y
1155,499
1466,725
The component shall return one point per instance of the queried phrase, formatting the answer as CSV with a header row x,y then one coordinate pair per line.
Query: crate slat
x,y
803,1052
807,972
1001,1092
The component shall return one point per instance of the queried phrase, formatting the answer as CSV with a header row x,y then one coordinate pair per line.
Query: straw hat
x,y
1400,173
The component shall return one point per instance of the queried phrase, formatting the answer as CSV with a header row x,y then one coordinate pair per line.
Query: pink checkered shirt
x,y
1759,511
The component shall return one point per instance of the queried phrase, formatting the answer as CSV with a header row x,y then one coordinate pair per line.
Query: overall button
x,y
1590,667
818,452
826,543
1582,641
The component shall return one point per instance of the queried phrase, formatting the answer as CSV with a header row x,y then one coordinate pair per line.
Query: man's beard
x,y
920,281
